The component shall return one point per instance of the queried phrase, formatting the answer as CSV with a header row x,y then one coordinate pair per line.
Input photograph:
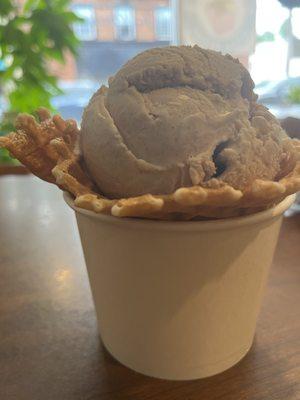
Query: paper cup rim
x,y
217,224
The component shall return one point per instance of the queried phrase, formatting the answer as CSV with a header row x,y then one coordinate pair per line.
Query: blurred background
x,y
56,53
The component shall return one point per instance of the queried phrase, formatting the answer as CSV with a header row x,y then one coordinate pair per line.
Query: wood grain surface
x,y
49,345
7,169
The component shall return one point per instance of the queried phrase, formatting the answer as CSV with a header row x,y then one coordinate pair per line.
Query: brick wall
x,y
106,36
65,71
144,17
104,13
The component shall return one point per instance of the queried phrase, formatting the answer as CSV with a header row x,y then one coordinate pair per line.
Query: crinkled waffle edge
x,y
49,149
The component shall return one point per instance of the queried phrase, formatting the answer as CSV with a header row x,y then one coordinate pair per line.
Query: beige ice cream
x,y
180,116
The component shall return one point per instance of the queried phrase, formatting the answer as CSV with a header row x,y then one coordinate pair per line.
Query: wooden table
x,y
49,345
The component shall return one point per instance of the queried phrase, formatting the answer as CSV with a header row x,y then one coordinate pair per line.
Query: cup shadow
x,y
248,379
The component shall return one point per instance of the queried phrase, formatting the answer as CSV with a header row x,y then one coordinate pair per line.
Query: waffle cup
x,y
174,300
178,300
49,148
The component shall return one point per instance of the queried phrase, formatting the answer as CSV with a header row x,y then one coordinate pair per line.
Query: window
x,y
124,18
163,23
87,29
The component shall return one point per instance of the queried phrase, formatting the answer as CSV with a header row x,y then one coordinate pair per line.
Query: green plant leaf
x,y
29,5
6,7
39,32
265,37
6,158
294,95
284,29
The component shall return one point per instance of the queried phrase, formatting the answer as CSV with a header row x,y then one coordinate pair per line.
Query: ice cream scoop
x,y
177,117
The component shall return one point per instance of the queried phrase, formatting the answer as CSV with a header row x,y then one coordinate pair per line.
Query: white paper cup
x,y
178,300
